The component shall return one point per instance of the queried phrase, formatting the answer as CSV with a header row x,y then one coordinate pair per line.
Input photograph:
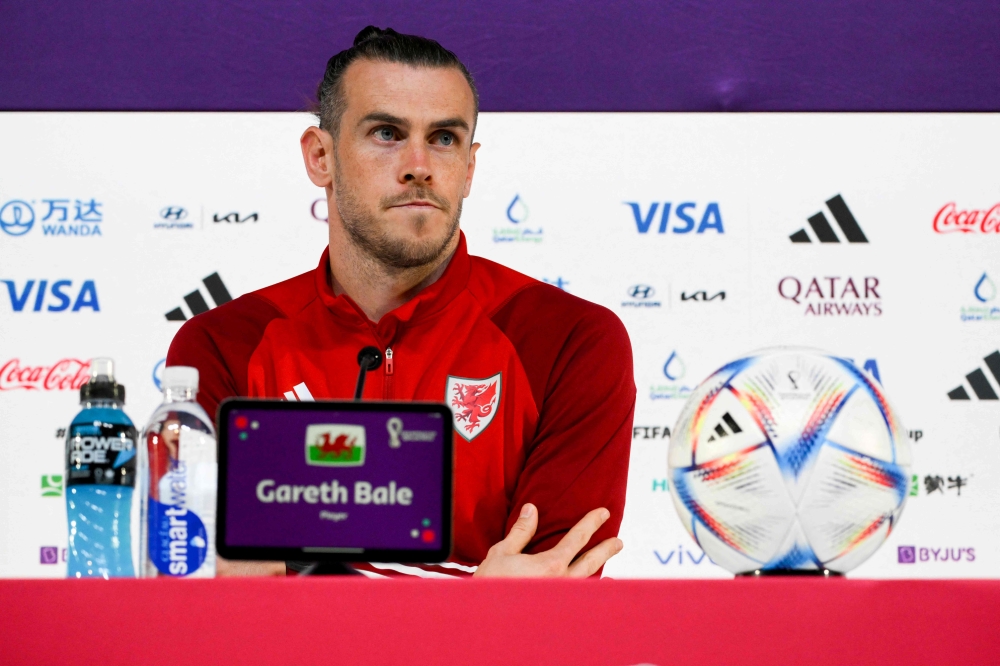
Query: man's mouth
x,y
417,203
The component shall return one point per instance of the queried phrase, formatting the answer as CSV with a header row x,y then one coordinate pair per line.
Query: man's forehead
x,y
417,94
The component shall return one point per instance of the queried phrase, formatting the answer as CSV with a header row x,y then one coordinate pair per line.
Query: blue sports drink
x,y
100,478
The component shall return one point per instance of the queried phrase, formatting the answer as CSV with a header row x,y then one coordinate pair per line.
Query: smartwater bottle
x,y
179,474
100,478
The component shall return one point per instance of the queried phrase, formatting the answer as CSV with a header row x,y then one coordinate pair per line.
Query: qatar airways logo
x,y
833,296
68,374
950,220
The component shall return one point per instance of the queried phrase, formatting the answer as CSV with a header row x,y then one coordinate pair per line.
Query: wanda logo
x,y
64,375
949,219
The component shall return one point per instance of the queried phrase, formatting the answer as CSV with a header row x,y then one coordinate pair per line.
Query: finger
x,y
588,563
522,530
579,535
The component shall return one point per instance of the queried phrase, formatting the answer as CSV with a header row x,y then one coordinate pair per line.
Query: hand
x,y
506,559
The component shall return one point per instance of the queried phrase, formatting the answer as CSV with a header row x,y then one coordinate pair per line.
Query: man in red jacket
x,y
540,382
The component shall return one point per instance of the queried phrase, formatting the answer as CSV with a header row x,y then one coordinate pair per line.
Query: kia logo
x,y
173,213
641,291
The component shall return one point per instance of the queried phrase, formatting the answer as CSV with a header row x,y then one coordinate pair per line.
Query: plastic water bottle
x,y
100,478
179,472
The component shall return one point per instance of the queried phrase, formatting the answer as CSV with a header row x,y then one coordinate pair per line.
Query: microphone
x,y
369,358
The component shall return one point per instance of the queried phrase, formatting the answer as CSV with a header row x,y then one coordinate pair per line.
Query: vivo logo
x,y
682,556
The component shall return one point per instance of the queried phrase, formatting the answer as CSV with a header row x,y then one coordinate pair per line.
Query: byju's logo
x,y
335,445
978,381
517,215
641,296
673,370
949,220
17,217
833,296
686,217
57,297
234,218
985,292
824,233
65,217
197,303
173,217
914,554
52,485
49,555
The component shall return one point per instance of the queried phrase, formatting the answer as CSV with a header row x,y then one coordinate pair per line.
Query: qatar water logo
x,y
515,228
985,308
674,388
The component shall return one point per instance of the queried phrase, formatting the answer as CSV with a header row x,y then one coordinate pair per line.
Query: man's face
x,y
403,160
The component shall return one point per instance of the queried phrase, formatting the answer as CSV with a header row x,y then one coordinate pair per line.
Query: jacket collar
x,y
428,302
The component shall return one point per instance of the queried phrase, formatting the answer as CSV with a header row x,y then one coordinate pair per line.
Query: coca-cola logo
x,y
949,219
67,374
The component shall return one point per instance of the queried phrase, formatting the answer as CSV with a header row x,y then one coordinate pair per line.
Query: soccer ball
x,y
788,460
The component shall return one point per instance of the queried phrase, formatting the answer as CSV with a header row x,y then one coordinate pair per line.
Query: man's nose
x,y
416,167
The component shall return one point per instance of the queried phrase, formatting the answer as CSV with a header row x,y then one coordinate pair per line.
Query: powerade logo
x,y
687,217
517,215
59,217
335,445
59,296
94,449
178,541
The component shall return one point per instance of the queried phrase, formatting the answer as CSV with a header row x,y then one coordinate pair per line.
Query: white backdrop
x,y
561,197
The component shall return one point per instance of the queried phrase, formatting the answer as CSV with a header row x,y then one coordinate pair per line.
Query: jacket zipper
x,y
387,389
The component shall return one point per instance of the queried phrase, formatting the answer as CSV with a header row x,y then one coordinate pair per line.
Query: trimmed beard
x,y
364,231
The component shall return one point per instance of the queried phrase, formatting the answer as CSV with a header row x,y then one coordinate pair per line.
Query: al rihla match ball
x,y
788,460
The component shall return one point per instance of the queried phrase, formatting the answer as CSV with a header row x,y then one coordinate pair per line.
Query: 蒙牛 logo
x,y
335,445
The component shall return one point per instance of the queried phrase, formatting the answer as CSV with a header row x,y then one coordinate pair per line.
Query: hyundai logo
x,y
17,218
641,291
173,213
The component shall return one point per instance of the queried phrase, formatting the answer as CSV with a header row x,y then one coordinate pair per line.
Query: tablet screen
x,y
321,481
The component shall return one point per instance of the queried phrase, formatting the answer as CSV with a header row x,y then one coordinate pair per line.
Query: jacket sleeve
x,y
219,343
578,459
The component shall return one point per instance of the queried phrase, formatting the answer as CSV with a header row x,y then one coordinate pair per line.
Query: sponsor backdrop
x,y
875,237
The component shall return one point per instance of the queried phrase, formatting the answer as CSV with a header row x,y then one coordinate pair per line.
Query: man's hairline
x,y
338,91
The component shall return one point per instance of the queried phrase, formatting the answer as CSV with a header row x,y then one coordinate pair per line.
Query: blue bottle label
x,y
100,450
178,540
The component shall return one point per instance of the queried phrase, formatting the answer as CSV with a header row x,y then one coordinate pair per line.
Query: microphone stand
x,y
369,358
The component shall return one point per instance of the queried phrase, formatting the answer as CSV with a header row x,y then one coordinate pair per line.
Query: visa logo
x,y
56,297
685,217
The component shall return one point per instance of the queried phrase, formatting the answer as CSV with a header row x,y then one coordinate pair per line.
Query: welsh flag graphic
x,y
335,445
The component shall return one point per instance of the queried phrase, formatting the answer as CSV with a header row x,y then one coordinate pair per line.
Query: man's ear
x,y
317,153
472,169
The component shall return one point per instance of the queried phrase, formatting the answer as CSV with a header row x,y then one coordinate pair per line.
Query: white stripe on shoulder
x,y
410,571
302,391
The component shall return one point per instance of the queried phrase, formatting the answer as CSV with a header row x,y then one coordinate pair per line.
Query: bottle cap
x,y
180,377
102,384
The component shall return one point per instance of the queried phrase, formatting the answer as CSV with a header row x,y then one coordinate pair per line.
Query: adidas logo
x,y
196,302
978,381
300,393
825,233
720,428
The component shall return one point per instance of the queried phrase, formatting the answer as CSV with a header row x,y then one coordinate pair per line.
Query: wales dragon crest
x,y
473,402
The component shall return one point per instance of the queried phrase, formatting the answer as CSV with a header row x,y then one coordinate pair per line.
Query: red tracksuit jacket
x,y
553,426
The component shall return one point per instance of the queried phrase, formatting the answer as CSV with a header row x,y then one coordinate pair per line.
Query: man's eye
x,y
385,133
447,139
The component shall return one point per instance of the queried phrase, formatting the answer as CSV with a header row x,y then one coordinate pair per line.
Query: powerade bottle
x,y
100,478
179,476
